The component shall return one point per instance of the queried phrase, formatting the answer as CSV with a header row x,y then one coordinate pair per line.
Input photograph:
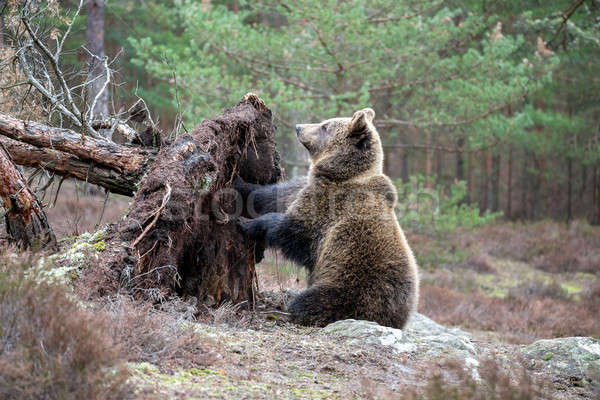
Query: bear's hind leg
x,y
319,306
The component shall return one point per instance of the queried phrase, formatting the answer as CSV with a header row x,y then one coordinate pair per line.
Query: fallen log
x,y
26,222
121,158
68,165
118,168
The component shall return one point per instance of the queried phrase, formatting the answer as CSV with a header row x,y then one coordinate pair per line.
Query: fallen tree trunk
x,y
124,159
26,222
118,168
68,165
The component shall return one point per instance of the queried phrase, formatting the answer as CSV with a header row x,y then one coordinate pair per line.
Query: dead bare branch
x,y
60,76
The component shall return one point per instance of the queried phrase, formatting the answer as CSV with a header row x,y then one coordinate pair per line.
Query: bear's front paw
x,y
250,227
242,224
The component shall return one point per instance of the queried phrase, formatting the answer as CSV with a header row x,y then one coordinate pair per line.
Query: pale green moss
x,y
548,356
591,357
585,276
200,372
570,289
207,381
499,292
99,246
69,262
98,235
313,393
206,182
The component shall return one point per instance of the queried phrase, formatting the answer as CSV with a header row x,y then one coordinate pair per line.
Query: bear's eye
x,y
323,128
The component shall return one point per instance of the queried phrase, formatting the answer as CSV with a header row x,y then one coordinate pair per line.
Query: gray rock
x,y
421,336
576,357
435,339
367,332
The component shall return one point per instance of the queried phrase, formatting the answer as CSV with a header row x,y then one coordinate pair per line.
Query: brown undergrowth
x,y
518,318
547,245
493,383
466,281
79,207
54,346
163,336
50,347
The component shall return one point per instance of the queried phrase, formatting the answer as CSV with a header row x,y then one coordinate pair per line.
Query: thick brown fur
x,y
340,224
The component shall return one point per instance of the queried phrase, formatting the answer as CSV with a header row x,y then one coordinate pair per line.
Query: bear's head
x,y
343,148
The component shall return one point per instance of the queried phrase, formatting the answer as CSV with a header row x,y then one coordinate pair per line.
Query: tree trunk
x,y
428,156
583,187
596,200
470,178
536,188
509,184
1,30
460,161
94,35
483,187
405,172
439,163
26,222
417,161
403,138
182,222
386,161
525,185
495,182
569,189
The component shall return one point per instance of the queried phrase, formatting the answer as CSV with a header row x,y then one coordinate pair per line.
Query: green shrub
x,y
437,210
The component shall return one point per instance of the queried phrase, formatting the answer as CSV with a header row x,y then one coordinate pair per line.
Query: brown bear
x,y
340,224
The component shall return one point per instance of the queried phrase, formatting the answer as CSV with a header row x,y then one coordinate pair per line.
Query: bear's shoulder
x,y
383,187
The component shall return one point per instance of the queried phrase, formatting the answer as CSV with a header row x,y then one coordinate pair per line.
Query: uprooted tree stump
x,y
181,228
26,222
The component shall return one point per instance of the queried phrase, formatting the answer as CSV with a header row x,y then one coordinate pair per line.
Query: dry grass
x,y
160,333
162,337
547,245
518,318
451,379
277,273
479,262
458,383
51,348
527,307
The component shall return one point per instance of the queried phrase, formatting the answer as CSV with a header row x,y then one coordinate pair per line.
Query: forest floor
x,y
507,284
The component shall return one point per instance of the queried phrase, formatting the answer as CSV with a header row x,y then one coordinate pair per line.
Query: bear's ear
x,y
359,123
369,113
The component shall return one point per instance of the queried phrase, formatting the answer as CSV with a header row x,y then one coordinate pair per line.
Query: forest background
x,y
488,106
